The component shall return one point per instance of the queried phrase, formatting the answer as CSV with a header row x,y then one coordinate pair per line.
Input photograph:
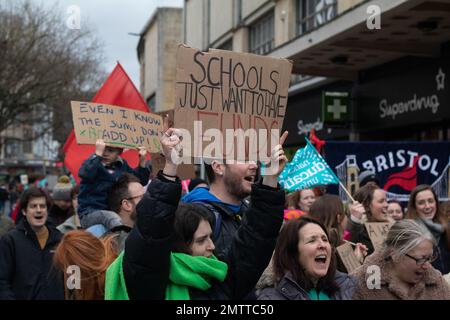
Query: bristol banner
x,y
399,166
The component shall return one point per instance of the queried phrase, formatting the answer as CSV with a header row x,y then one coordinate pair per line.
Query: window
x,y
227,45
262,35
151,103
311,14
12,148
27,146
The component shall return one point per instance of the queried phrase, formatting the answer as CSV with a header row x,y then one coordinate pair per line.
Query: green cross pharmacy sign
x,y
335,107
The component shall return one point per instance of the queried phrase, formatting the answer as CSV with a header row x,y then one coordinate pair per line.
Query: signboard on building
x,y
412,96
304,113
335,107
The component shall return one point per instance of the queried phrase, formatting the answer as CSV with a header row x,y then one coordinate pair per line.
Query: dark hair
x,y
187,219
399,203
33,192
119,191
286,257
326,209
194,183
75,191
365,196
210,173
439,217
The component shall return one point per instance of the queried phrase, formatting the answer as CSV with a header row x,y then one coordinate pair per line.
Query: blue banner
x,y
306,170
398,166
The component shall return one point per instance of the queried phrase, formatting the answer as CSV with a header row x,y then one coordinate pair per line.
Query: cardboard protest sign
x,y
184,170
219,92
348,257
117,126
378,232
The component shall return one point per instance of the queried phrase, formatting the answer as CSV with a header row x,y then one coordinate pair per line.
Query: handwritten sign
x,y
348,257
117,126
184,171
224,90
378,232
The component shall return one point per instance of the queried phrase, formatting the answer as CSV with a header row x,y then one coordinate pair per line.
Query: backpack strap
x,y
217,216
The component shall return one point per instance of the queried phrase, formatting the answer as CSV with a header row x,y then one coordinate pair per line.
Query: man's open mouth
x,y
250,179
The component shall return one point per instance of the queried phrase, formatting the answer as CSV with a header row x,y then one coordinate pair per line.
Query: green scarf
x,y
185,271
314,295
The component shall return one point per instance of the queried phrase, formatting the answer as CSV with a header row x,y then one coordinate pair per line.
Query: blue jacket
x,y
96,181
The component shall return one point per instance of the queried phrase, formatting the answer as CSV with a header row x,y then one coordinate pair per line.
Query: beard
x,y
233,185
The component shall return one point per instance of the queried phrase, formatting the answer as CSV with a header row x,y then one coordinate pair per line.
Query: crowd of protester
x,y
238,235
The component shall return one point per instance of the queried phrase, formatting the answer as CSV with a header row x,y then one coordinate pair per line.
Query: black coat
x,y
359,234
26,270
289,289
248,254
229,224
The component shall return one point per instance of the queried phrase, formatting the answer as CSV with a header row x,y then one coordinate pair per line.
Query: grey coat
x,y
288,289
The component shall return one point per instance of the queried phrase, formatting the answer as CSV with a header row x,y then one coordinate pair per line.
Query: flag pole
x,y
346,191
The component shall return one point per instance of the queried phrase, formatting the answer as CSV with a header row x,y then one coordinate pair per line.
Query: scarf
x,y
435,228
185,271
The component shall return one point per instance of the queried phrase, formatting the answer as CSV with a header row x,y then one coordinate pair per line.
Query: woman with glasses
x,y
424,208
402,270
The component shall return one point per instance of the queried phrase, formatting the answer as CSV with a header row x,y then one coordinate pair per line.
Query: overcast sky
x,y
112,20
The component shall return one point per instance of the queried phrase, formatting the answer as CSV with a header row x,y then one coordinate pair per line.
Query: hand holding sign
x,y
100,147
171,146
278,161
142,153
360,252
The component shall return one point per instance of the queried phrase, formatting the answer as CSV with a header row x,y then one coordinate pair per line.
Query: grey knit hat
x,y
367,176
62,189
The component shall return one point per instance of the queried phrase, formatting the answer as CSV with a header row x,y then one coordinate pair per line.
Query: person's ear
x,y
23,212
126,204
217,167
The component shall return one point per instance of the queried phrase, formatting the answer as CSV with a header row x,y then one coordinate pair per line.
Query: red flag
x,y
118,90
315,141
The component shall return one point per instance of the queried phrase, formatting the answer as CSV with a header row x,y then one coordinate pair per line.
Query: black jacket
x,y
146,261
26,270
58,216
248,254
289,289
229,223
359,234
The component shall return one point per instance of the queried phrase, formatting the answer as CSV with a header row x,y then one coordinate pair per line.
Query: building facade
x,y
388,57
28,149
157,50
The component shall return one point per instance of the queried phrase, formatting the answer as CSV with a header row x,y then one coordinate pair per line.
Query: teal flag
x,y
307,170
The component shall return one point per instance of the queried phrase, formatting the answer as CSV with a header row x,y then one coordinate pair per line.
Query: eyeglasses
x,y
421,261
